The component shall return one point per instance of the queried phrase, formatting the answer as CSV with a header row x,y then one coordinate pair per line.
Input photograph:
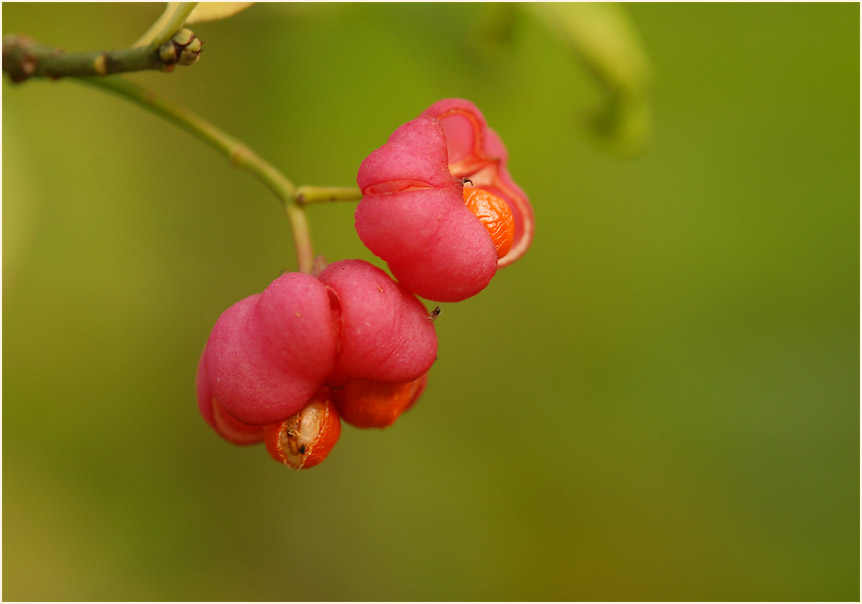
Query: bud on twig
x,y
24,58
184,48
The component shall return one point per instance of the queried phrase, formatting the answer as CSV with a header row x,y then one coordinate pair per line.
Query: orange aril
x,y
494,213
369,404
304,439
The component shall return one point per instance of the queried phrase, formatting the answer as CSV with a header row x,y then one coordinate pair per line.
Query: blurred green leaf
x,y
204,11
602,36
214,11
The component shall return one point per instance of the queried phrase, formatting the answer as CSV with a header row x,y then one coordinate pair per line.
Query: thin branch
x,y
169,23
238,153
307,195
24,58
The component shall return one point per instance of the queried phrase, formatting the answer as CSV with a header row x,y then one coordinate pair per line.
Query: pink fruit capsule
x,y
413,213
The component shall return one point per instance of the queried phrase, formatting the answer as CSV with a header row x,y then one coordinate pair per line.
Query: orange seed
x,y
369,404
304,439
494,213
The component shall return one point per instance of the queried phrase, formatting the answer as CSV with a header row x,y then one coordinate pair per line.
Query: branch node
x,y
239,154
101,64
18,60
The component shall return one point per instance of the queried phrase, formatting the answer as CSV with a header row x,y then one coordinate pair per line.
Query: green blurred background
x,y
659,401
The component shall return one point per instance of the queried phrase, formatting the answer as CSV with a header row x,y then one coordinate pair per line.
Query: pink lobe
x,y
433,244
464,127
270,352
227,427
386,333
413,157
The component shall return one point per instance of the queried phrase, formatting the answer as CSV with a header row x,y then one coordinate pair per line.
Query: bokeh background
x,y
659,401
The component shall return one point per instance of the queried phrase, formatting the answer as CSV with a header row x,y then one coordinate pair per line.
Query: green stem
x,y
306,195
239,154
166,26
23,58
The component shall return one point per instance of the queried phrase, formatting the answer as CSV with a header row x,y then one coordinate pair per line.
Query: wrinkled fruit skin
x,y
494,213
269,354
413,214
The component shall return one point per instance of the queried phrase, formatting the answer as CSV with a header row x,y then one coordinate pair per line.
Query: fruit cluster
x,y
287,365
